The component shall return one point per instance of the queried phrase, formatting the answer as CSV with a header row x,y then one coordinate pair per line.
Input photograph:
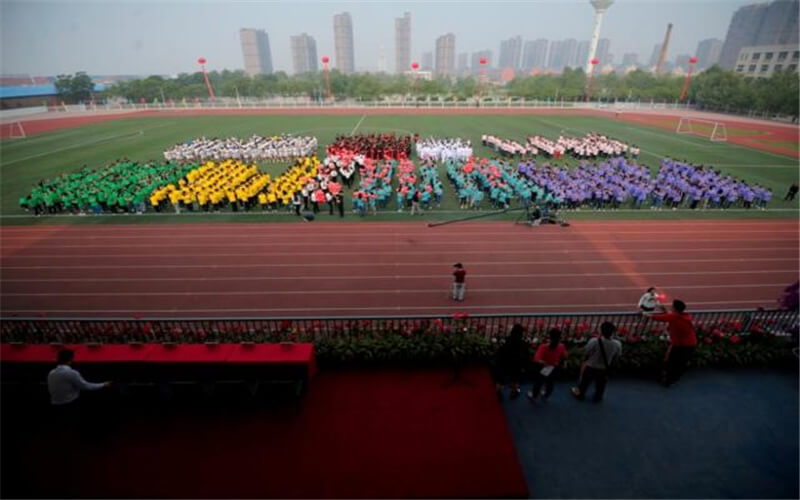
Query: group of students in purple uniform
x,y
615,183
700,186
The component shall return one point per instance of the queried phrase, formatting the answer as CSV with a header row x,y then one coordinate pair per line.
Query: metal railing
x,y
574,326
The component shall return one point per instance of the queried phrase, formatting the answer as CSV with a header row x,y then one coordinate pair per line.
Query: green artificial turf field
x,y
24,162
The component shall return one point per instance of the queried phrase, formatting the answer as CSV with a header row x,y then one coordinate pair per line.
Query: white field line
x,y
623,307
407,264
390,276
421,244
425,291
438,253
358,124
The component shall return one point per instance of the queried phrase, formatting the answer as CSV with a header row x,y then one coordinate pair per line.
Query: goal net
x,y
13,130
715,131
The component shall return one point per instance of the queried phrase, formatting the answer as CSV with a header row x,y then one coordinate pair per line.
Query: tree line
x,y
713,89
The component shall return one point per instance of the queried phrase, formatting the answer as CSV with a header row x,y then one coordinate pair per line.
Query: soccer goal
x,y
14,130
715,131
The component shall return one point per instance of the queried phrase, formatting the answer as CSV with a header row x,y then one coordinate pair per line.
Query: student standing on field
x,y
459,282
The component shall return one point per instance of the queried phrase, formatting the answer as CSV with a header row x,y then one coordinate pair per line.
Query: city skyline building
x,y
510,53
603,53
582,52
461,65
445,63
343,43
630,59
654,55
475,60
402,43
304,53
427,61
708,52
535,54
256,51
774,23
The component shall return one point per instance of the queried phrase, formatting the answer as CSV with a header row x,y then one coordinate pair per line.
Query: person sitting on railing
x,y
649,302
548,359
682,342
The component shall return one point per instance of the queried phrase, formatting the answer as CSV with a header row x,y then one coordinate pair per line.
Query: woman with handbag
x,y
601,353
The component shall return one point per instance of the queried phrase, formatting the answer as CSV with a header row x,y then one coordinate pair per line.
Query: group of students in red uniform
x,y
375,146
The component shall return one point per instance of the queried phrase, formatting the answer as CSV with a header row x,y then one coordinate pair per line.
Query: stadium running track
x,y
364,268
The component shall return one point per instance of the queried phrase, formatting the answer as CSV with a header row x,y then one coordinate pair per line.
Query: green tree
x,y
74,88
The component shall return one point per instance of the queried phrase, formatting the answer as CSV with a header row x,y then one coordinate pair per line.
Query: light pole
x,y
202,62
692,62
325,61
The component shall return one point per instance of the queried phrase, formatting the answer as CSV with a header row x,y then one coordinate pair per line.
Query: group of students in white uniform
x,y
589,146
276,148
444,149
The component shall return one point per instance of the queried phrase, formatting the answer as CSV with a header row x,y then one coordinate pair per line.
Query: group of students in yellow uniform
x,y
236,184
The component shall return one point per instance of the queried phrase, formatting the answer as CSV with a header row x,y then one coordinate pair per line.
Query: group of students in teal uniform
x,y
499,180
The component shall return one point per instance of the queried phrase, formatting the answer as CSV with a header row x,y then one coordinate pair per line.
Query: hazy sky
x,y
167,37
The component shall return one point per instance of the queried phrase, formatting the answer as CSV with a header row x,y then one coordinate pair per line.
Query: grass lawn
x,y
25,162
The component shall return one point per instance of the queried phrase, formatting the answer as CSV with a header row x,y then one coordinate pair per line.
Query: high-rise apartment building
x,y
708,52
304,54
256,52
445,64
603,53
535,54
774,23
475,63
582,53
461,65
402,43
510,53
630,59
427,61
563,54
343,43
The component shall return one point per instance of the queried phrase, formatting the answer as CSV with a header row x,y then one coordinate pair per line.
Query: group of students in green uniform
x,y
122,187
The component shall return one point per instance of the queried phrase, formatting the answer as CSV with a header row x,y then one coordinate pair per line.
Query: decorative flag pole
x,y
685,89
325,61
483,62
415,75
594,62
202,62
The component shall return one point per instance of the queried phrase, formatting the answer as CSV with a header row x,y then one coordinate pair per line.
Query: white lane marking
x,y
427,291
392,276
294,243
624,307
437,253
408,264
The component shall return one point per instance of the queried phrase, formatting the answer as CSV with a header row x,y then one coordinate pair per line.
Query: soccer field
x,y
24,162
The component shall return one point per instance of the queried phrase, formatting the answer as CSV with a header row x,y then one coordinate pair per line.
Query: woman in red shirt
x,y
548,357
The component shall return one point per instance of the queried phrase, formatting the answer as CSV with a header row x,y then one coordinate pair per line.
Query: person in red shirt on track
x,y
548,358
459,284
682,341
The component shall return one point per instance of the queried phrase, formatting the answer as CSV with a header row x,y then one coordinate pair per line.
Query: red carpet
x,y
360,434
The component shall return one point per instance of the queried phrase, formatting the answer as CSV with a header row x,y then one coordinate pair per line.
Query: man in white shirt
x,y
65,384
649,301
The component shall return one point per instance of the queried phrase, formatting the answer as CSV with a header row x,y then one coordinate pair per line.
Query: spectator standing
x,y
601,353
682,342
459,282
512,357
548,359
792,192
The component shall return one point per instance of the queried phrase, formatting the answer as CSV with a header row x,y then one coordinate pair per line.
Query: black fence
x,y
186,330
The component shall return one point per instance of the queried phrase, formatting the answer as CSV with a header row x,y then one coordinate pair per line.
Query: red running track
x,y
305,270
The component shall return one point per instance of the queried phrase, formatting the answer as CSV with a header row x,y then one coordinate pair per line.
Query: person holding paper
x,y
548,358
